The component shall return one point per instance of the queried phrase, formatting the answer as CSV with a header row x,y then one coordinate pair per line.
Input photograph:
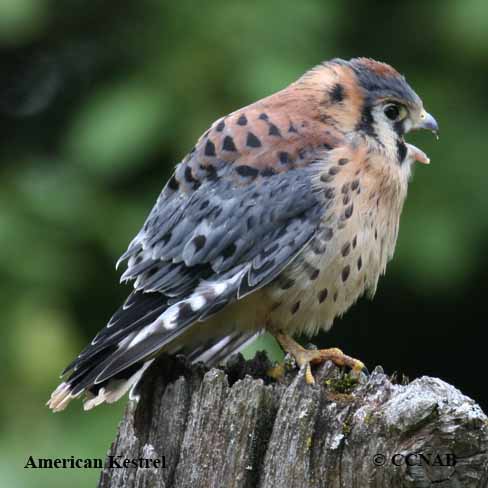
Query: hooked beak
x,y
429,123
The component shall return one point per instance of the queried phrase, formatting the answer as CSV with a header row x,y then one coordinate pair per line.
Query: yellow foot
x,y
276,372
306,357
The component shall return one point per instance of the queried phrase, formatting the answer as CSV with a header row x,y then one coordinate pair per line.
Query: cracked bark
x,y
234,428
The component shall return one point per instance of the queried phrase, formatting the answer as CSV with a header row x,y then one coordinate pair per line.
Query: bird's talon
x,y
309,379
276,372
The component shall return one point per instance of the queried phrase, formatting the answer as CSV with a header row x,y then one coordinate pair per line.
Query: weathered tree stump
x,y
237,428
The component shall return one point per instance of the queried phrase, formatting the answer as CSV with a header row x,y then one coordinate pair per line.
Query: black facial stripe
x,y
337,93
401,150
366,122
399,128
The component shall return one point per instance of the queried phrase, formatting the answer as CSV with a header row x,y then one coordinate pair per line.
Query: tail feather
x,y
116,360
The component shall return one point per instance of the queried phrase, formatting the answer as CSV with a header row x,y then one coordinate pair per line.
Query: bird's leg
x,y
306,357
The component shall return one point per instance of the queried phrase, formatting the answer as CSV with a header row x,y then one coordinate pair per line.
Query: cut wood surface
x,y
235,427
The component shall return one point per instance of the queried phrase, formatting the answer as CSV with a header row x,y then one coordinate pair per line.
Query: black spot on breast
x,y
345,249
199,242
228,144
274,131
334,170
245,170
252,140
326,178
314,274
346,199
343,161
209,148
242,120
354,242
317,246
328,233
345,273
345,188
354,184
322,295
287,284
348,211
292,128
173,183
329,193
360,263
263,116
337,93
220,126
335,296
295,307
284,157
401,151
375,234
204,204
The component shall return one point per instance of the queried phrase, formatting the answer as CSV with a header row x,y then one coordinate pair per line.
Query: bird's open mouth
x,y
417,154
427,122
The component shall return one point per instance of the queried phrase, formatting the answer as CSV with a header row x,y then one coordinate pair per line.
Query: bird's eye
x,y
395,112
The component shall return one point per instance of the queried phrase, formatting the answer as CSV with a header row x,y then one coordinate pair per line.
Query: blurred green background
x,y
99,100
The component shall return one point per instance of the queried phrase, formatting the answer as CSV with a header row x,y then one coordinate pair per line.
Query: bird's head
x,y
371,100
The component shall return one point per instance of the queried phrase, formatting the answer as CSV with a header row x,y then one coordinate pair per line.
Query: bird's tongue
x,y
417,155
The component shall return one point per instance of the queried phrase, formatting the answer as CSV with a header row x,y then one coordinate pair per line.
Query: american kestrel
x,y
283,214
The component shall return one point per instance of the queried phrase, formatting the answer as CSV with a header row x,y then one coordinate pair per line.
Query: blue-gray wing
x,y
212,237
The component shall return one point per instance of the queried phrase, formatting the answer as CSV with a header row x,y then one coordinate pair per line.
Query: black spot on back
x,y
252,140
245,170
189,175
185,312
268,171
220,126
173,183
229,251
228,144
242,120
209,148
284,157
274,131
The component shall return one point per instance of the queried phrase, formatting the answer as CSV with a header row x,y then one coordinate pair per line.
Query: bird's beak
x,y
428,122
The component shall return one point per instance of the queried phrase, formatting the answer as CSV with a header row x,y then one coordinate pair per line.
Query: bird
x,y
282,215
